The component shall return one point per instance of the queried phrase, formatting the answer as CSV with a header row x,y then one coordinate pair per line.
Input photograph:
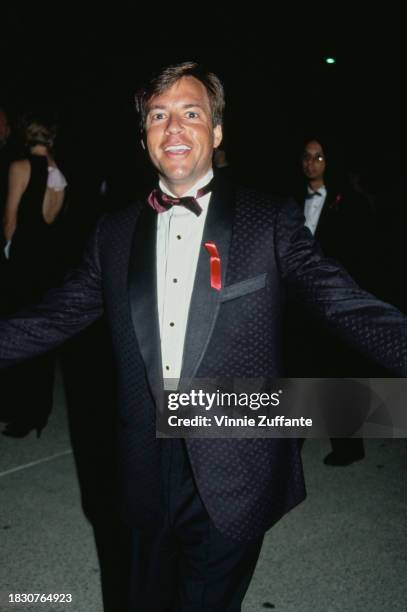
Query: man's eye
x,y
192,115
157,116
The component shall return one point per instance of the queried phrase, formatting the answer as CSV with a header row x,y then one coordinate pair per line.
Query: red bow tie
x,y
161,201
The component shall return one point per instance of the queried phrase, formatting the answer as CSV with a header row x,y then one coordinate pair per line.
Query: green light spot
x,y
330,60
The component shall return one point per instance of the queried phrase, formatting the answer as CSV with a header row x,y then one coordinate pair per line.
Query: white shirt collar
x,y
321,190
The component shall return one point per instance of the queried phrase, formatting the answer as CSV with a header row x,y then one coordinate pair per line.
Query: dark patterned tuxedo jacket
x,y
246,485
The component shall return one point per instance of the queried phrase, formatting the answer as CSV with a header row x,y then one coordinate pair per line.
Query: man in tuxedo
x,y
343,224
198,509
333,209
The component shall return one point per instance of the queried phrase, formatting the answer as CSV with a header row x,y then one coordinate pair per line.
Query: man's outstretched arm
x,y
62,313
369,325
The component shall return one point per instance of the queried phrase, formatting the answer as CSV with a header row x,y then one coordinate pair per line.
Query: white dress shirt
x,y
179,239
313,207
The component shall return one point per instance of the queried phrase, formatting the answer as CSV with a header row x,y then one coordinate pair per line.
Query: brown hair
x,y
167,77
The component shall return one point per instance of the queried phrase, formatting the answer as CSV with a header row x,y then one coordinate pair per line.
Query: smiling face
x,y
180,135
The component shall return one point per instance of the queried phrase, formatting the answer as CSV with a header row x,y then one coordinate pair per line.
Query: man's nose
x,y
174,125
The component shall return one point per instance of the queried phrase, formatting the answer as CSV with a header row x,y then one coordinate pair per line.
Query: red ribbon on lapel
x,y
214,263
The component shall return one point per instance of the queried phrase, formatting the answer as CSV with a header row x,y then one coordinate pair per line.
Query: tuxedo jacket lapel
x,y
326,215
205,300
142,283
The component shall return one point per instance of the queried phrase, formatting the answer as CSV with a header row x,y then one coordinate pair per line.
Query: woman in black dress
x,y
35,198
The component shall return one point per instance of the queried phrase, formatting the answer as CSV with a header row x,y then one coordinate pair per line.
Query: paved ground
x,y
344,549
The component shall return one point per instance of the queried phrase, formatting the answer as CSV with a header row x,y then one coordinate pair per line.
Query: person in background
x,y
35,196
342,221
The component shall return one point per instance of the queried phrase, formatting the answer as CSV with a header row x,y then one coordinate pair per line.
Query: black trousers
x,y
187,565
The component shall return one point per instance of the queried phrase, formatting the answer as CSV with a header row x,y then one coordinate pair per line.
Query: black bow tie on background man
x,y
313,194
161,201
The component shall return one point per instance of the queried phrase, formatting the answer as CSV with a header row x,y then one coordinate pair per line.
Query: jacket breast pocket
x,y
243,287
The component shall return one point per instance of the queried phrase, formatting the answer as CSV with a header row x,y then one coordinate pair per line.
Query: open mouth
x,y
179,149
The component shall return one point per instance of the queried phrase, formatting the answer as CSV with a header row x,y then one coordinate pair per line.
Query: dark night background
x,y
84,67
277,83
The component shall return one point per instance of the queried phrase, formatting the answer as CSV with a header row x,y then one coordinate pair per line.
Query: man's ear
x,y
217,136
